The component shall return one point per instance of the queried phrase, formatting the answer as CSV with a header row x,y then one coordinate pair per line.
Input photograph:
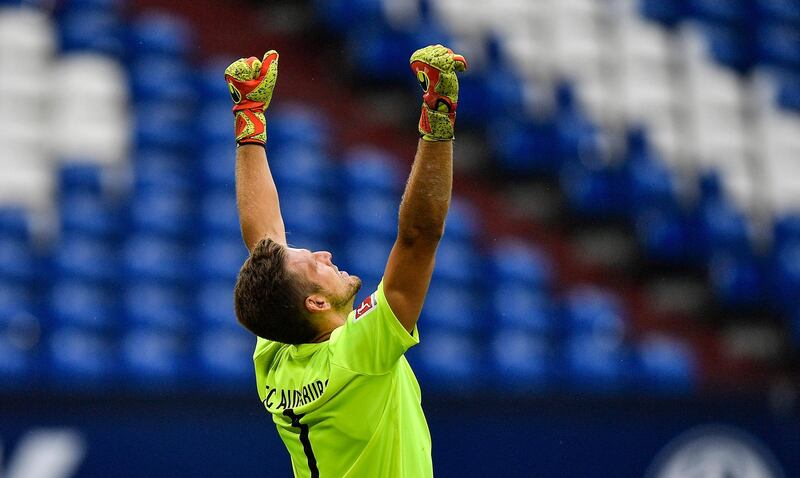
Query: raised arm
x,y
427,194
251,82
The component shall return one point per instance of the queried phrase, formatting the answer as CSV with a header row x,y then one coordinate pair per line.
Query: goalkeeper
x,y
334,377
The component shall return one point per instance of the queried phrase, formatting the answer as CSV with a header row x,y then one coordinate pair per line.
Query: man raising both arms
x,y
340,391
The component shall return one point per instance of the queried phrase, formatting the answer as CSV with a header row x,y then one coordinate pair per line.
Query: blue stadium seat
x,y
729,44
81,304
785,270
82,177
723,227
214,304
219,215
225,356
593,312
154,305
650,180
372,213
727,11
372,47
214,122
512,260
304,167
163,80
522,361
474,102
160,33
450,361
15,299
167,212
153,358
17,259
517,305
789,89
458,262
367,168
149,257
14,222
86,29
669,235
220,258
217,165
525,147
453,307
787,10
79,358
309,213
666,365
462,221
292,124
342,14
365,256
594,191
86,258
165,124
597,364
211,84
159,170
738,279
20,337
779,43
668,12
89,214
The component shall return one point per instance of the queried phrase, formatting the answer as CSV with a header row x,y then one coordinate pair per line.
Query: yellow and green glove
x,y
435,67
251,82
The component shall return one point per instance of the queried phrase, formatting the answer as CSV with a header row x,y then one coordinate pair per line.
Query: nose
x,y
326,256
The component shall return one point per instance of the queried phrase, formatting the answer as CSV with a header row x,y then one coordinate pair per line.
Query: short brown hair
x,y
268,298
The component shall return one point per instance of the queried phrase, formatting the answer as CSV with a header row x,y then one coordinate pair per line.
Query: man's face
x,y
316,267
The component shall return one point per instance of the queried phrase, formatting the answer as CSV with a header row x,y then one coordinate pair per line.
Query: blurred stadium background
x,y
621,267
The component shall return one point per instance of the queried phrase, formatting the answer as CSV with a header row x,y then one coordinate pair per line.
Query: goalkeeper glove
x,y
435,67
251,82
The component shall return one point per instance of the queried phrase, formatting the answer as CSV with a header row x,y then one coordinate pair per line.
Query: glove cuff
x,y
435,125
250,127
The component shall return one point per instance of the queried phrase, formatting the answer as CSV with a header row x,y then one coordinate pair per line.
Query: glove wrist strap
x,y
250,127
435,125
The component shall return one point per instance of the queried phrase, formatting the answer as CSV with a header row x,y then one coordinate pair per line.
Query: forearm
x,y
257,197
427,195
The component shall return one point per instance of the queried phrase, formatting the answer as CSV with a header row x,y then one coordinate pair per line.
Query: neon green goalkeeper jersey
x,y
348,407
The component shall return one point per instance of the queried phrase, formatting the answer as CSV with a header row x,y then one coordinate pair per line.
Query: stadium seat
x,y
308,212
450,361
519,306
89,214
86,258
738,279
160,33
596,364
16,299
165,212
164,123
149,257
80,359
17,260
218,214
225,356
156,78
217,165
213,304
593,312
458,262
367,168
454,307
74,303
522,361
365,256
515,261
291,124
220,258
302,166
157,169
153,305
667,365
153,358
372,213
85,29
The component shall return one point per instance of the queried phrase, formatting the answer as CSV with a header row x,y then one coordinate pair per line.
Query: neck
x,y
330,323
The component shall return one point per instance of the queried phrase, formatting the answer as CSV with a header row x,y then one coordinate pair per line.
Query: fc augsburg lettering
x,y
291,398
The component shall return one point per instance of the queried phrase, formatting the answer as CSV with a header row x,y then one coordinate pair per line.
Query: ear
x,y
317,303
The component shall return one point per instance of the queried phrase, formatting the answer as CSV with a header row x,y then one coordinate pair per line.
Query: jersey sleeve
x,y
372,340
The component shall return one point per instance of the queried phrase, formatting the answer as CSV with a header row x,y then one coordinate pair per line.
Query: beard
x,y
348,297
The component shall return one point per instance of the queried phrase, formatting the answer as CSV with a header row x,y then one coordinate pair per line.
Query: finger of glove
x,y
459,62
437,56
269,57
244,69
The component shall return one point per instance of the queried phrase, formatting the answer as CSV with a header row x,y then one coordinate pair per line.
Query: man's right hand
x,y
251,82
